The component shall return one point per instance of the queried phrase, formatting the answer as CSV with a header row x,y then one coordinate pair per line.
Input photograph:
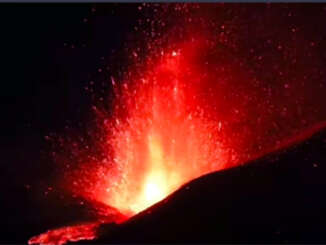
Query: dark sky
x,y
48,53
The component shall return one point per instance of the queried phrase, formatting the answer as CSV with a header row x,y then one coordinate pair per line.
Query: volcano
x,y
168,152
277,198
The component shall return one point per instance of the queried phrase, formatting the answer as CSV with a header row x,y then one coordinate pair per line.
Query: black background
x,y
49,53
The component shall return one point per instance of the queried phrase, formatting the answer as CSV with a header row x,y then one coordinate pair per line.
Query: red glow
x,y
65,234
185,109
164,141
160,141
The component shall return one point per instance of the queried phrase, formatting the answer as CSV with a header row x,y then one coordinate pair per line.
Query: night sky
x,y
49,53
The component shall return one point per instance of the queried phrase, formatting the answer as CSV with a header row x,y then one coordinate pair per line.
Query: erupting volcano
x,y
160,140
182,110
163,141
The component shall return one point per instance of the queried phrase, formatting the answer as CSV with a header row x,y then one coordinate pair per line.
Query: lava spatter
x,y
164,141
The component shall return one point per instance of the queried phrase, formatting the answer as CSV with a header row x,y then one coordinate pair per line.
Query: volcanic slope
x,y
276,198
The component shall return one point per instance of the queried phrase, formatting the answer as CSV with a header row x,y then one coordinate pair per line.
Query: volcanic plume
x,y
191,102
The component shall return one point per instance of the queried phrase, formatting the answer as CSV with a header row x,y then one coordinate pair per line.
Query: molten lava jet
x,y
163,142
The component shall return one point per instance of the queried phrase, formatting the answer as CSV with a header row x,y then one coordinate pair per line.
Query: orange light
x,y
163,141
156,184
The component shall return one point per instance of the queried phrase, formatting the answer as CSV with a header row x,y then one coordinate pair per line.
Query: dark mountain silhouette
x,y
277,198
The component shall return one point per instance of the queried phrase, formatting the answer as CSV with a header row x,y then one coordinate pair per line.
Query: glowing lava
x,y
160,140
70,233
163,141
156,183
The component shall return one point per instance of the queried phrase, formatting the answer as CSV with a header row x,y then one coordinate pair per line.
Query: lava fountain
x,y
160,140
164,140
